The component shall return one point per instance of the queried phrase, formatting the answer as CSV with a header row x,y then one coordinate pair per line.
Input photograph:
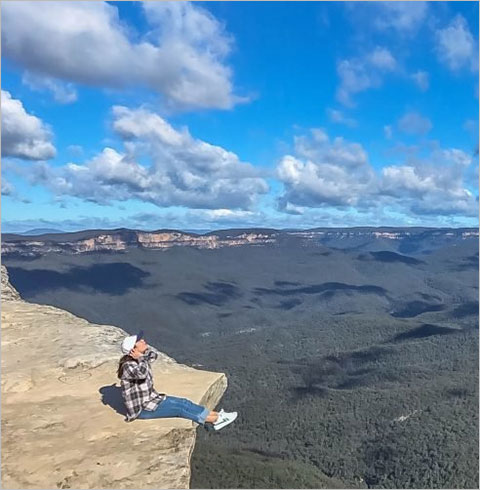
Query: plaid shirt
x,y
137,386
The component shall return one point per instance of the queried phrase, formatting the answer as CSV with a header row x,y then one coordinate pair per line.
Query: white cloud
x,y
433,185
455,45
181,57
359,74
339,117
336,175
421,79
184,171
225,214
387,130
7,187
63,93
325,173
24,135
400,18
403,17
403,178
454,156
382,58
414,123
428,191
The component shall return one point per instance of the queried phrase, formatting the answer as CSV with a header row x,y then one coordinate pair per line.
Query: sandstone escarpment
x,y
123,239
62,413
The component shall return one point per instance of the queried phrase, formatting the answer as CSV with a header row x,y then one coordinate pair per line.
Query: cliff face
x,y
62,413
121,240
8,291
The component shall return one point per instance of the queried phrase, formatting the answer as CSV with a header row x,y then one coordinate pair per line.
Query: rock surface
x,y
62,413
8,291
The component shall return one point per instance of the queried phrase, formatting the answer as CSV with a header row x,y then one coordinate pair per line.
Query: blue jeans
x,y
173,406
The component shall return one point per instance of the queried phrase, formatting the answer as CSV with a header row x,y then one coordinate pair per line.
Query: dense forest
x,y
350,368
395,413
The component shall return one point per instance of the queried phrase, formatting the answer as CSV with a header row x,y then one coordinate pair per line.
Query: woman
x,y
144,402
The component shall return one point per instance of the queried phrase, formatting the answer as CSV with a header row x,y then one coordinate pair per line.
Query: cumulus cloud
x,y
421,79
336,174
414,123
455,45
339,117
63,93
184,171
24,135
181,57
108,176
432,186
325,173
361,73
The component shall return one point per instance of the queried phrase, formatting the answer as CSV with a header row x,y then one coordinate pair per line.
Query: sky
x,y
215,115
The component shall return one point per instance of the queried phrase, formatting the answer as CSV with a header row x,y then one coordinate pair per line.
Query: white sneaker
x,y
224,419
221,416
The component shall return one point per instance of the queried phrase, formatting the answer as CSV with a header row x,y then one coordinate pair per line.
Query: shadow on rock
x,y
112,396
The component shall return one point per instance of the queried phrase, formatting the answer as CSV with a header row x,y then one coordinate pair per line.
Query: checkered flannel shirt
x,y
137,386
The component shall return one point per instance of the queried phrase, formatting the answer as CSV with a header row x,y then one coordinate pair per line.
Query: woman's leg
x,y
196,412
174,406
212,417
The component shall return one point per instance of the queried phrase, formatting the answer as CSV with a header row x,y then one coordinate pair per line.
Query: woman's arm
x,y
136,370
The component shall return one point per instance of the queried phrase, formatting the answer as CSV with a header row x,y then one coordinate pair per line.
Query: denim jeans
x,y
173,406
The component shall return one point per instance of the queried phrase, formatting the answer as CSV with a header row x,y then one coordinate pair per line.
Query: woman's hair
x,y
122,362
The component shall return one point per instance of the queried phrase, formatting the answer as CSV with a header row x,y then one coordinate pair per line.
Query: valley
x,y
351,358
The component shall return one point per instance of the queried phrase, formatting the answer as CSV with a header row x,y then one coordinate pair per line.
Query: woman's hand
x,y
135,353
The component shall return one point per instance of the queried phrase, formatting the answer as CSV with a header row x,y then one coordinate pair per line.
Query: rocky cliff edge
x,y
62,413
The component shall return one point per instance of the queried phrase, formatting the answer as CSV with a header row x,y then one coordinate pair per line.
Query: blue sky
x,y
212,115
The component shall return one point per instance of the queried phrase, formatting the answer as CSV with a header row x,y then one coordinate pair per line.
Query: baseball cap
x,y
129,342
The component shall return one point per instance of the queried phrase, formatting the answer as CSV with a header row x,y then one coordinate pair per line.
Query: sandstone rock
x,y
62,421
124,239
8,291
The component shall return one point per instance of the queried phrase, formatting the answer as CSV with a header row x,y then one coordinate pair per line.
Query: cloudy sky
x,y
201,116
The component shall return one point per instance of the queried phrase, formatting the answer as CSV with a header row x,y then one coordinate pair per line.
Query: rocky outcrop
x,y
62,413
8,291
123,239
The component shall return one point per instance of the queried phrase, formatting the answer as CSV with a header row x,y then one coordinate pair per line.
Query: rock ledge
x,y
62,422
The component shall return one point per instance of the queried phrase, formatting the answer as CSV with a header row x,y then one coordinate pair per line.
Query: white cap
x,y
129,342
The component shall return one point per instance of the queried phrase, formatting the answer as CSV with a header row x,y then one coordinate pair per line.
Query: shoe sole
x,y
224,424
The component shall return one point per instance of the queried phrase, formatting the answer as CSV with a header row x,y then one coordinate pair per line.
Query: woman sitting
x,y
142,401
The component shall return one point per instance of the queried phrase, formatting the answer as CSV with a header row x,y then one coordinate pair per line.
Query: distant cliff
x,y
62,421
123,239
